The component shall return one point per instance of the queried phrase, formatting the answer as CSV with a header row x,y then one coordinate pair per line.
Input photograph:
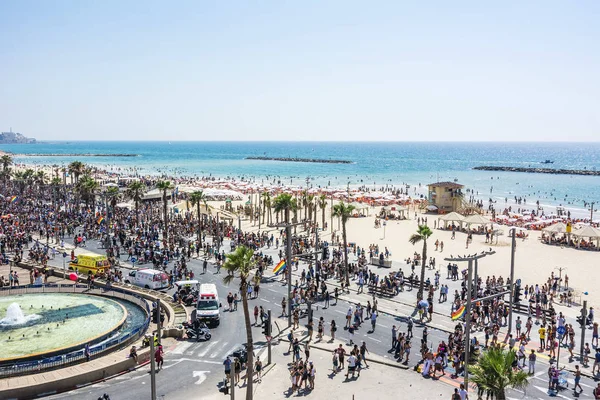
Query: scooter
x,y
200,333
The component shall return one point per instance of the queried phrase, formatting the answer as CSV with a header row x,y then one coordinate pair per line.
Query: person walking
x,y
373,321
577,379
363,352
532,358
332,330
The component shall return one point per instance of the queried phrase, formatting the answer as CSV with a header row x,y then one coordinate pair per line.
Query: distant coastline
x,y
296,159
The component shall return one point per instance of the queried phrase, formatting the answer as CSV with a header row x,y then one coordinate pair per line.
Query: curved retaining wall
x,y
72,357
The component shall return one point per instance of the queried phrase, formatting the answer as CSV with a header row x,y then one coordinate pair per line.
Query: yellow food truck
x,y
90,263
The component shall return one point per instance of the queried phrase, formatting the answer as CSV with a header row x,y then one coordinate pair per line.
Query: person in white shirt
x,y
351,365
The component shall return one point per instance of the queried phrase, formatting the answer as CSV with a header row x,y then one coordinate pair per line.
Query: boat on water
x,y
548,162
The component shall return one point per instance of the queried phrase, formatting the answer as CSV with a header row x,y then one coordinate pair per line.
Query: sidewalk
x,y
379,380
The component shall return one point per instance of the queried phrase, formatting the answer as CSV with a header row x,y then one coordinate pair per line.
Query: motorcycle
x,y
201,332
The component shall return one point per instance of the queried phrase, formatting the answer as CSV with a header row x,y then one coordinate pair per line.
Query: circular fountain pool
x,y
37,325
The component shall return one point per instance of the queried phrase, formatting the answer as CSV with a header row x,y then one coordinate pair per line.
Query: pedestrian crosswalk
x,y
213,349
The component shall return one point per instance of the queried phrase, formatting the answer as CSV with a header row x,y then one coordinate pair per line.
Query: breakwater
x,y
554,171
306,160
78,155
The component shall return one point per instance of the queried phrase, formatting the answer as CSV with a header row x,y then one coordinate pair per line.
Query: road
x,y
193,366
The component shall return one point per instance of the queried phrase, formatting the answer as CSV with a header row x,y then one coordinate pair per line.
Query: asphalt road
x,y
195,367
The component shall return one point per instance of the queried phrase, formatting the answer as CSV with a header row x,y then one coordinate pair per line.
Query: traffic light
x,y
266,326
517,294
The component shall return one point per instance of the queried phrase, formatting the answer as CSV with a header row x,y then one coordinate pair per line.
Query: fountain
x,y
15,316
45,324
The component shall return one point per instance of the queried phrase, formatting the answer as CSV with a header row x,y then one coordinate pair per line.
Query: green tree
x,y
19,178
6,161
165,186
135,191
284,203
240,263
112,196
198,198
55,184
422,234
88,187
494,372
310,201
40,179
344,211
76,169
266,200
322,200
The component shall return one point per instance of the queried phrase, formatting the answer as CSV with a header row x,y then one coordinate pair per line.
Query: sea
x,y
374,164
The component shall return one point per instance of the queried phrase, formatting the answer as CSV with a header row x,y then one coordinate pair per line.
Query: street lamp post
x,y
470,259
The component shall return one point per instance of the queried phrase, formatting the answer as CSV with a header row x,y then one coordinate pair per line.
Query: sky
x,y
301,70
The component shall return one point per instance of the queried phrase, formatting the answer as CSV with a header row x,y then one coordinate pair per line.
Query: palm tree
x,y
19,177
322,200
284,203
197,198
135,191
423,233
87,187
310,200
266,200
241,262
112,196
164,186
55,183
76,168
494,372
6,161
40,178
304,202
6,174
344,211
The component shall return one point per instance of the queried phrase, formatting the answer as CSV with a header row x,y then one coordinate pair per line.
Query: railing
x,y
63,360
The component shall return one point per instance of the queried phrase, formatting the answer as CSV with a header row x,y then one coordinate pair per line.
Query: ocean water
x,y
375,164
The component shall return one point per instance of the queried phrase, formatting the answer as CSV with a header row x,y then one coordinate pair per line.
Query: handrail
x,y
25,367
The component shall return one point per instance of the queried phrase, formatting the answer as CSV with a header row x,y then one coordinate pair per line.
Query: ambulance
x,y
148,278
90,264
207,309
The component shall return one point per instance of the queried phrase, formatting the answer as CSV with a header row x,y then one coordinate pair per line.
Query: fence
x,y
63,360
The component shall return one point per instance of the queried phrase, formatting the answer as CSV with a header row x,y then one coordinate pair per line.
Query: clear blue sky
x,y
301,70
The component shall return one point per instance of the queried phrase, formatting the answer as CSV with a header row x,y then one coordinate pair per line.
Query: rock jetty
x,y
554,171
295,159
79,155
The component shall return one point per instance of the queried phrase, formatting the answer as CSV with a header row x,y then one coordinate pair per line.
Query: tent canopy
x,y
477,219
453,216
587,232
559,227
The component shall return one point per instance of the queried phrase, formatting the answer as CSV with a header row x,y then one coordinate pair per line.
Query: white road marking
x,y
207,349
265,300
234,348
383,326
201,376
216,353
377,340
182,347
341,312
273,290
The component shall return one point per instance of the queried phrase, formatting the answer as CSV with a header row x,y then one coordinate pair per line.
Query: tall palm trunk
x,y
423,261
345,253
250,343
199,225
166,228
323,215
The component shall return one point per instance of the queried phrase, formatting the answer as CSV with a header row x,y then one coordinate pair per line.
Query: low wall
x,y
29,390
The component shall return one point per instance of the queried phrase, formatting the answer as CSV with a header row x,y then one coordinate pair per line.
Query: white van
x,y
148,278
207,309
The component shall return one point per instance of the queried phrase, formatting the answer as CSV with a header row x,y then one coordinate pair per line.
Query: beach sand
x,y
534,261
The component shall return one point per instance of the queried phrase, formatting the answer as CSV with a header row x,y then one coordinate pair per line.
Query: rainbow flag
x,y
280,267
459,313
100,220
14,198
